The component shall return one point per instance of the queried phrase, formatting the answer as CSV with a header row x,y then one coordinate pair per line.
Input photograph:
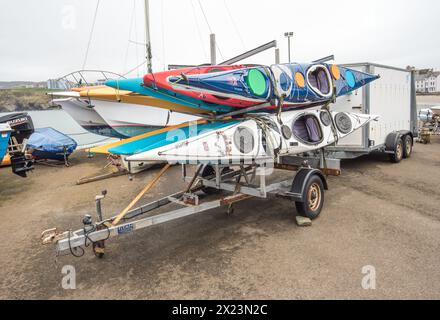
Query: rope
x,y
87,233
198,30
209,27
163,34
129,36
137,67
136,39
234,24
270,149
91,34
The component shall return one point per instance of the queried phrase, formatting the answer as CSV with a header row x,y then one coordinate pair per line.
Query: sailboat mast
x,y
149,56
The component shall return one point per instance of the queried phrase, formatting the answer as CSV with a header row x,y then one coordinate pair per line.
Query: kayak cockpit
x,y
307,129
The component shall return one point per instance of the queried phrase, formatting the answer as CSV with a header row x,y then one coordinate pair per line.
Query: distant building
x,y
427,81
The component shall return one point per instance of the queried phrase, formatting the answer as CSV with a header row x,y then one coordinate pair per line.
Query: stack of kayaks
x,y
257,112
222,89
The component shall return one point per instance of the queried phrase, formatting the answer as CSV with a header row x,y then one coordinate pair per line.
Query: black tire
x,y
314,195
408,144
210,171
397,156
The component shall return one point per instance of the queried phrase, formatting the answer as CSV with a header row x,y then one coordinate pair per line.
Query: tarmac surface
x,y
376,214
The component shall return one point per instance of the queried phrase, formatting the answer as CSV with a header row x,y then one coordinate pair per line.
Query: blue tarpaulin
x,y
48,141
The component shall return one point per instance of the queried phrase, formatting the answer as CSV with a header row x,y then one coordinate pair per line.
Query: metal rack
x,y
240,182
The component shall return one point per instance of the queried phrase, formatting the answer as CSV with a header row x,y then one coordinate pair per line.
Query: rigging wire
x,y
234,24
135,68
209,27
91,34
163,33
129,36
198,30
136,38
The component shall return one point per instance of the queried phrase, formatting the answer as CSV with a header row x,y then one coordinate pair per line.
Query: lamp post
x,y
288,35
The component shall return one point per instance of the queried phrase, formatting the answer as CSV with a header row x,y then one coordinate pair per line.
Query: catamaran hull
x,y
256,139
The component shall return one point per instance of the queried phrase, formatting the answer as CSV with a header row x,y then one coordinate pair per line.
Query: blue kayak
x,y
48,143
299,85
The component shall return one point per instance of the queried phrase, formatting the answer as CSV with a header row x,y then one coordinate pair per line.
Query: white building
x,y
427,81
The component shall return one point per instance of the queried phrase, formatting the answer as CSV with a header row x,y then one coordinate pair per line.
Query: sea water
x,y
61,121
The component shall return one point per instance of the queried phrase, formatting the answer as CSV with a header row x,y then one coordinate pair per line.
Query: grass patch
x,y
24,99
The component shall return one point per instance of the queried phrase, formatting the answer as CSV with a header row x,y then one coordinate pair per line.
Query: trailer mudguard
x,y
393,137
299,184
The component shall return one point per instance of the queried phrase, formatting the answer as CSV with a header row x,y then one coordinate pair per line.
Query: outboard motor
x,y
23,127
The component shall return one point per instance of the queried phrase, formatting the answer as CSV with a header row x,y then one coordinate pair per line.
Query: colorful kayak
x,y
105,149
162,138
136,85
255,138
160,82
299,85
123,96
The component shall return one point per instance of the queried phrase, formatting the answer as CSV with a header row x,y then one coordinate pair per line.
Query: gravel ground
x,y
376,213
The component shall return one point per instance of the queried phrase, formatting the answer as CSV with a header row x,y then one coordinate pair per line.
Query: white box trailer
x,y
393,98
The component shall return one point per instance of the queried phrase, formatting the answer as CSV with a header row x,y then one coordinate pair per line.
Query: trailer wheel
x,y
314,199
407,146
397,156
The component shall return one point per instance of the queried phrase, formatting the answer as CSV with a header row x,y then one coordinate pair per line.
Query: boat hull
x,y
82,112
5,134
133,119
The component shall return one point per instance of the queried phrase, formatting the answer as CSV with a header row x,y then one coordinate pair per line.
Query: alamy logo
x,y
68,22
69,280
369,280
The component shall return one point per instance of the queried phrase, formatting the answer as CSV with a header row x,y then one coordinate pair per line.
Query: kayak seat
x,y
306,128
318,79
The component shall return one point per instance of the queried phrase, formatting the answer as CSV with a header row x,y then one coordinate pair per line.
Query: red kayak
x,y
160,80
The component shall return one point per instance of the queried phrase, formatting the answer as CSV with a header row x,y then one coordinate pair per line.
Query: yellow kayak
x,y
111,94
6,161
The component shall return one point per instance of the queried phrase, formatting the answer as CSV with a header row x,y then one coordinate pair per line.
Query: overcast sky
x,y
48,38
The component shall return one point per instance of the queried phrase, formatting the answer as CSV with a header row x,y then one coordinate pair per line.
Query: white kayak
x,y
255,138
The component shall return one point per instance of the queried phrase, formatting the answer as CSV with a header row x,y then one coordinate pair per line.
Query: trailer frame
x,y
190,201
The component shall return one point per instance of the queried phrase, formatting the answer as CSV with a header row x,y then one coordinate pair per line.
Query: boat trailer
x,y
227,184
